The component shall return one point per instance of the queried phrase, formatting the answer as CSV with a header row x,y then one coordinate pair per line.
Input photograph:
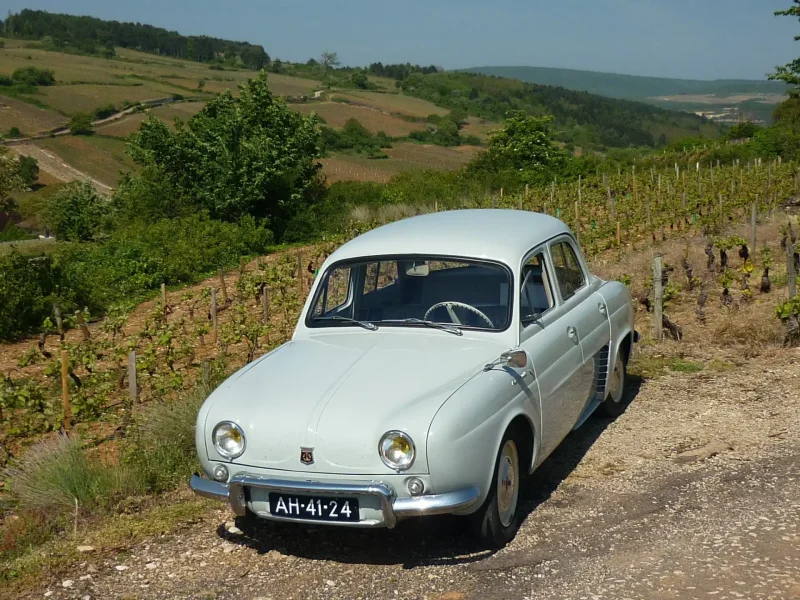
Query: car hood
x,y
338,393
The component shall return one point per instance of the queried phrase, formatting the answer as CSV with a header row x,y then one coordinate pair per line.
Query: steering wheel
x,y
453,317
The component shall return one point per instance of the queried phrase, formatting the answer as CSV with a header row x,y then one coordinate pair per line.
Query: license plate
x,y
315,508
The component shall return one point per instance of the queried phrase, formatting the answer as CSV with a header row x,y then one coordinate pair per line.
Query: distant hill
x,y
585,120
631,87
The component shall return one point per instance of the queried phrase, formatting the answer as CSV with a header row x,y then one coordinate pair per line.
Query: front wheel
x,y
614,404
497,521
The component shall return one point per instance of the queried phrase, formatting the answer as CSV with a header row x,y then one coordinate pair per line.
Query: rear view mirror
x,y
418,269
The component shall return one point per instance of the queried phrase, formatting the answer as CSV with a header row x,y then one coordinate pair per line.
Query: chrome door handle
x,y
573,334
602,308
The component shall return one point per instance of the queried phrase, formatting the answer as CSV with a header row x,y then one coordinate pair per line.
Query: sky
x,y
697,39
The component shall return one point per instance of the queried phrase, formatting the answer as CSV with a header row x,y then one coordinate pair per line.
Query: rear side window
x,y
535,295
569,273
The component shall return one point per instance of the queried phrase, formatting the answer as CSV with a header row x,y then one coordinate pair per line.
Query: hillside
x,y
583,119
631,87
747,98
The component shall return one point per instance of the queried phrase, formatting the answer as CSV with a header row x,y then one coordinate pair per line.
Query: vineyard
x,y
94,377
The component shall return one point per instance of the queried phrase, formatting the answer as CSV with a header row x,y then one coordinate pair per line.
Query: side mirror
x,y
517,359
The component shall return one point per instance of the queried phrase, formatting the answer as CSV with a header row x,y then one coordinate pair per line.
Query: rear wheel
x,y
615,402
497,521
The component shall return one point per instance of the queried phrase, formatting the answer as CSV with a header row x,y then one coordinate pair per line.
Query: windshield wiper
x,y
432,324
364,324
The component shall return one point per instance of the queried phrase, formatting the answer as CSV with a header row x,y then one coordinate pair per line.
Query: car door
x,y
586,314
557,360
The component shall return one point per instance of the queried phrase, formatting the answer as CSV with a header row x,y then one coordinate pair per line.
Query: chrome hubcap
x,y
507,480
616,383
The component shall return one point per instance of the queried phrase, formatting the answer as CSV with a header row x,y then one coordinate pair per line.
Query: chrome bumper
x,y
392,507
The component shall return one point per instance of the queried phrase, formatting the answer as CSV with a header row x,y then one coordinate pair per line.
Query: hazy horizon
x,y
715,39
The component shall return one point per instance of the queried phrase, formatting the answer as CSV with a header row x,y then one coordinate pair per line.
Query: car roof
x,y
491,234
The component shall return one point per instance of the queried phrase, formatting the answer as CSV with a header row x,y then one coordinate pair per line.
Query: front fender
x,y
465,434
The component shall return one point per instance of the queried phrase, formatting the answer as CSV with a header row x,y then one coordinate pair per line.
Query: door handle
x,y
572,333
603,310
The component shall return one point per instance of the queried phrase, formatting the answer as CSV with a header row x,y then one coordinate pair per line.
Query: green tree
x,y
277,66
81,125
524,143
447,133
360,80
75,213
33,76
249,155
9,179
328,60
28,170
790,72
745,129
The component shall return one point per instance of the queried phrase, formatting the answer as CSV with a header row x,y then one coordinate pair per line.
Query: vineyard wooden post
x,y
677,173
753,226
647,211
164,298
658,201
658,291
613,203
721,215
213,315
65,390
82,325
553,193
265,305
241,265
222,288
579,189
59,322
133,386
577,222
619,237
791,276
300,286
435,206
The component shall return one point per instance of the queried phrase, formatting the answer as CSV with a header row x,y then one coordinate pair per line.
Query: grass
x,y
101,157
59,487
29,119
85,98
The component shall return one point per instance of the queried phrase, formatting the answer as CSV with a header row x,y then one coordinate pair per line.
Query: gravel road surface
x,y
693,493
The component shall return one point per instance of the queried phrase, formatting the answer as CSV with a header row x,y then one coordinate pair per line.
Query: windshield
x,y
414,291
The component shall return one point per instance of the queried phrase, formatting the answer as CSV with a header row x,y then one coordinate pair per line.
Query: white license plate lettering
x,y
316,509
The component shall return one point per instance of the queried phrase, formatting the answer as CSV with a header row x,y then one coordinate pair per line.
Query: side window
x,y
568,270
536,296
335,292
379,275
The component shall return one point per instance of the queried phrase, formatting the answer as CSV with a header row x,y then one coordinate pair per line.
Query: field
x,y
127,125
394,103
100,157
336,115
27,117
402,157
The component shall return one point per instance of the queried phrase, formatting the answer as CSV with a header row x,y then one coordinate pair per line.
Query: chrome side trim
x,y
392,508
437,504
209,489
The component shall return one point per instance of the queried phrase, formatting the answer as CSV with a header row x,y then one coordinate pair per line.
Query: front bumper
x,y
389,507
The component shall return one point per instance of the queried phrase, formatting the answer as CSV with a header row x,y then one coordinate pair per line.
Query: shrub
x,y
5,81
75,212
55,475
28,170
33,76
81,125
104,111
14,132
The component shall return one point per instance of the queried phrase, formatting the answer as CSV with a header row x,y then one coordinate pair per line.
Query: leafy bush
x,y
75,212
12,233
28,170
104,111
14,132
33,76
81,125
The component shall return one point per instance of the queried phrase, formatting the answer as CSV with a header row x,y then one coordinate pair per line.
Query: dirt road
x,y
56,167
693,493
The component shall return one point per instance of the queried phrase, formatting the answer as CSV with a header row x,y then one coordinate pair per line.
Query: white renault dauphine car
x,y
437,361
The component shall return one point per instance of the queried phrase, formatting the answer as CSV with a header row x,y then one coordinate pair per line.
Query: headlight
x,y
397,450
228,439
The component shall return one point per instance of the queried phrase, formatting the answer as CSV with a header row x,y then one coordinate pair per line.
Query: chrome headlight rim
x,y
215,440
392,434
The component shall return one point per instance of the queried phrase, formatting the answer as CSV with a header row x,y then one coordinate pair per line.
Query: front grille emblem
x,y
307,456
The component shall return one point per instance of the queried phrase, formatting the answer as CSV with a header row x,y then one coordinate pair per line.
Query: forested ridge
x,y
91,34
